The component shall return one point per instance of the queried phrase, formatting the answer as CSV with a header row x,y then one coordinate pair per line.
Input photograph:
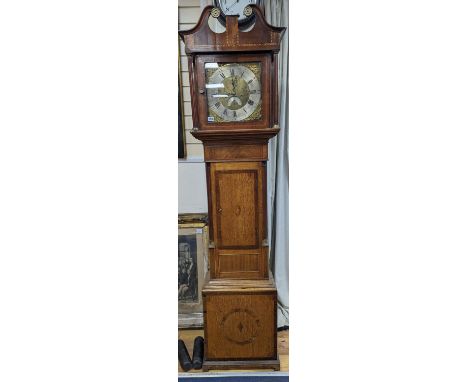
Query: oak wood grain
x,y
225,152
237,192
240,322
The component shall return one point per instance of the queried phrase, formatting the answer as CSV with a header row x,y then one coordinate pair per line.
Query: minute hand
x,y
227,8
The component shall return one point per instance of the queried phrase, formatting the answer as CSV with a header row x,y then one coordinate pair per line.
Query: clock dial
x,y
233,91
235,7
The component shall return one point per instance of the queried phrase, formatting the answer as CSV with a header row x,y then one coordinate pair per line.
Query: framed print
x,y
192,271
181,133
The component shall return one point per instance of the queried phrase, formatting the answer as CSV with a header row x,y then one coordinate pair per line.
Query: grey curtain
x,y
276,12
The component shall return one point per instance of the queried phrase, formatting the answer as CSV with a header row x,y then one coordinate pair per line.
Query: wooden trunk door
x,y
238,219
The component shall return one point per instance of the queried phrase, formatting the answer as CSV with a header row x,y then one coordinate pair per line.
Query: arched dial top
x,y
237,7
262,37
233,91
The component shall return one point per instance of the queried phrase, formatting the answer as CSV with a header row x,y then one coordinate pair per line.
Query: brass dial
x,y
233,92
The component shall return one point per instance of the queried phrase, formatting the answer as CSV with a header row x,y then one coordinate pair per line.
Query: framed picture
x,y
192,269
181,149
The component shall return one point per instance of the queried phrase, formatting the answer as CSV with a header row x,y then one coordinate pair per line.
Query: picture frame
x,y
192,269
181,128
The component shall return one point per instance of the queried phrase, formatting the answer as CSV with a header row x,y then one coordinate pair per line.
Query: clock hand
x,y
227,8
222,95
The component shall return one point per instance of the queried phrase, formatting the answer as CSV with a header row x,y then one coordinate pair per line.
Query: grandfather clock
x,y
233,87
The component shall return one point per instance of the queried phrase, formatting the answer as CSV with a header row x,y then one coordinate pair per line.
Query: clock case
x,y
240,298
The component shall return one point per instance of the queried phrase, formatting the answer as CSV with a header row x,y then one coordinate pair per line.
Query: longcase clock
x,y
233,85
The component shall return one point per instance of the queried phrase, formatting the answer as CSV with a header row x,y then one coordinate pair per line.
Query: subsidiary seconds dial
x,y
233,92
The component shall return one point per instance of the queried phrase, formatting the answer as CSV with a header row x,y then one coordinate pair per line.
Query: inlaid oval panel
x,y
240,326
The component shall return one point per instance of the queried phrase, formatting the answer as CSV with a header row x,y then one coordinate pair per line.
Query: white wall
x,y
192,179
192,188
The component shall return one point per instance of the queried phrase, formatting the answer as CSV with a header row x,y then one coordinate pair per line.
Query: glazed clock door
x,y
233,92
238,219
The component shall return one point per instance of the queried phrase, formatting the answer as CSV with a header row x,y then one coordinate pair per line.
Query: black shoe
x,y
198,349
184,357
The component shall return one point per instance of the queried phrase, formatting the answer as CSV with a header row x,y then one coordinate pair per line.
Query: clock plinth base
x,y
240,324
242,365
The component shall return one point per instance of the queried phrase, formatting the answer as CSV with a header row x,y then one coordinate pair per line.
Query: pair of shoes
x,y
184,357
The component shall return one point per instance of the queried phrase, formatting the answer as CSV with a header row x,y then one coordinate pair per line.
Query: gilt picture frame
x,y
192,270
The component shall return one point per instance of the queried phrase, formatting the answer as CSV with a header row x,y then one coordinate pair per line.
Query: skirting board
x,y
191,320
277,376
272,364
